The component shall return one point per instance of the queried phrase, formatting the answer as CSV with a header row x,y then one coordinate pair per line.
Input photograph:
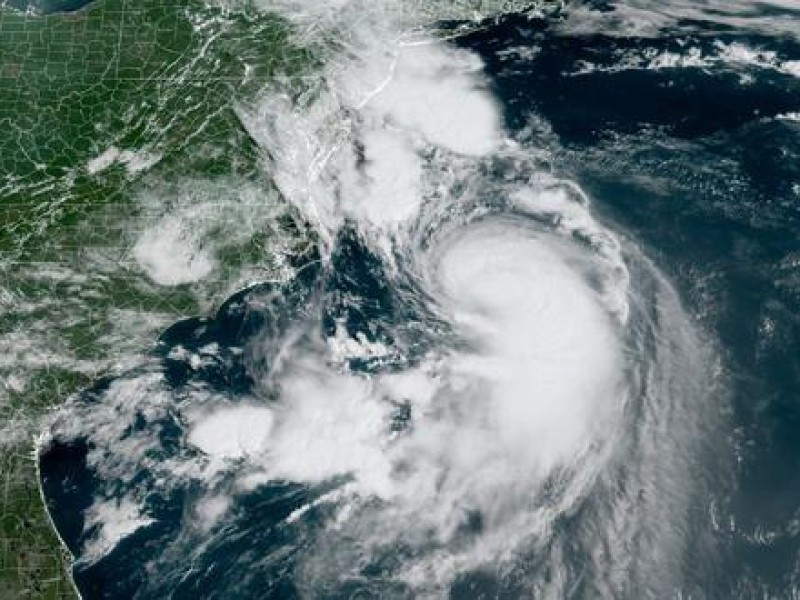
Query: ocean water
x,y
543,340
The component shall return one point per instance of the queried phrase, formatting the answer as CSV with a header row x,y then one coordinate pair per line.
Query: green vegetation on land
x,y
157,80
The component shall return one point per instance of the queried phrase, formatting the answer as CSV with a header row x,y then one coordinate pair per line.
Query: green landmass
x,y
152,84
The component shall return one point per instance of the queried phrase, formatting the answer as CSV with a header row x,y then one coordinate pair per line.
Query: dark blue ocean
x,y
683,129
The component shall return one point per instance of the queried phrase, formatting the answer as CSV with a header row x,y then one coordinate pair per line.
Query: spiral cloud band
x,y
491,396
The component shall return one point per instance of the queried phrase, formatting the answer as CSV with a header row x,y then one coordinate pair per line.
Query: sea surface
x,y
543,340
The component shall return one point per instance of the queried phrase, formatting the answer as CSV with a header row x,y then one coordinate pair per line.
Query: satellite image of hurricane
x,y
427,299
